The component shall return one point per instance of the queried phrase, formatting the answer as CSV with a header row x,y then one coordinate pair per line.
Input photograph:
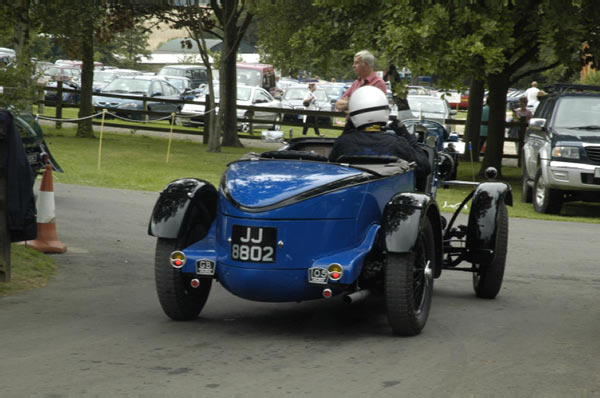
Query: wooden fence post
x,y
145,107
4,238
59,93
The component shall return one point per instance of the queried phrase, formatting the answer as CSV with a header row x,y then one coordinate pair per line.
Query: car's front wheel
x,y
526,191
177,298
488,275
545,200
408,285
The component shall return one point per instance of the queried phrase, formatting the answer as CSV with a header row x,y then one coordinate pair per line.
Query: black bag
x,y
307,102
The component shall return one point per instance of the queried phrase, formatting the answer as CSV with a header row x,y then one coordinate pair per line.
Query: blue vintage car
x,y
289,225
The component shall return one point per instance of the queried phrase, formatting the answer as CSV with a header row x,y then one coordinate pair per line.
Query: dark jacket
x,y
21,211
378,143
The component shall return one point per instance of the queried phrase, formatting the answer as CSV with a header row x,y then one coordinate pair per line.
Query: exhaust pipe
x,y
357,296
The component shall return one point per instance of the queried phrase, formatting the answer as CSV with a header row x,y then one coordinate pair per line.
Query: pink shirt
x,y
371,80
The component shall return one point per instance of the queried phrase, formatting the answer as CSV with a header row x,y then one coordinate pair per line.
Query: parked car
x,y
105,76
185,87
193,114
429,107
259,75
196,73
290,226
155,88
62,73
334,91
561,151
38,153
293,97
68,98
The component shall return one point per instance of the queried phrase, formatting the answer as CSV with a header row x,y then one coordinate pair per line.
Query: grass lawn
x,y
29,269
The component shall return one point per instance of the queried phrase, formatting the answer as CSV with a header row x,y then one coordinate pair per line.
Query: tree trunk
x,y
21,43
228,86
473,120
498,86
84,128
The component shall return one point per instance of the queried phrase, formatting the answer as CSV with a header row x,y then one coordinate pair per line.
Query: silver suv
x,y
561,151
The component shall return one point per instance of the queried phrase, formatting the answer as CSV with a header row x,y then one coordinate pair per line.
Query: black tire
x,y
177,298
545,200
408,285
488,276
526,191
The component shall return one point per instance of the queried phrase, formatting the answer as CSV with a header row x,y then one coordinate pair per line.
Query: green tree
x,y
227,20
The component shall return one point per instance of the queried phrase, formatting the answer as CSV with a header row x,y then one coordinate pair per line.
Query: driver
x,y
369,111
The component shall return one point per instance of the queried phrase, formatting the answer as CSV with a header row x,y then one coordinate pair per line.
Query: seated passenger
x,y
369,111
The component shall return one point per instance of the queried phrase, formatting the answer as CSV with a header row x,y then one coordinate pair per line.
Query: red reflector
x,y
327,293
195,283
178,262
335,275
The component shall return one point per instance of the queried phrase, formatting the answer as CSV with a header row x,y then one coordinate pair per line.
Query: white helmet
x,y
368,105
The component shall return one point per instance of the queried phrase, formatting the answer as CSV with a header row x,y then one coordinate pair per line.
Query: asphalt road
x,y
97,329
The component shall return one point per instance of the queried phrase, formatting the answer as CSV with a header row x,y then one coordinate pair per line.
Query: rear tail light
x,y
177,259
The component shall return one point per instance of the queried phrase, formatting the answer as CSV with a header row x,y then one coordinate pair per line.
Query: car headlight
x,y
129,105
570,152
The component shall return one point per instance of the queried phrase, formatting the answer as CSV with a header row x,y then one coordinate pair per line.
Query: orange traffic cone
x,y
47,239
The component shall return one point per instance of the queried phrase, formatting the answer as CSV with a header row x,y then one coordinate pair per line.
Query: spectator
x,y
531,94
309,104
364,67
483,130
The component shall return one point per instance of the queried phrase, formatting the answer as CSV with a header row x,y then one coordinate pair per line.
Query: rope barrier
x,y
38,116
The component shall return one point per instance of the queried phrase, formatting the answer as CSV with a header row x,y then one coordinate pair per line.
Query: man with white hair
x,y
364,67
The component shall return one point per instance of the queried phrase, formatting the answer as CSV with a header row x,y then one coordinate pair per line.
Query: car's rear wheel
x,y
408,285
177,298
488,275
545,200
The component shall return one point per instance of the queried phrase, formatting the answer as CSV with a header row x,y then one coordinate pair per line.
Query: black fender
x,y
403,219
483,218
185,210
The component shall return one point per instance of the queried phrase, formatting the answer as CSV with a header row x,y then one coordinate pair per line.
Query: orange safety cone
x,y
47,239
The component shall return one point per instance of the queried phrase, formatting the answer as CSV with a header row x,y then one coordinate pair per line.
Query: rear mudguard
x,y
185,210
403,219
483,219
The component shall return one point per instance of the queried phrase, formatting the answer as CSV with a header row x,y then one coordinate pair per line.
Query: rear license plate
x,y
253,244
318,275
205,267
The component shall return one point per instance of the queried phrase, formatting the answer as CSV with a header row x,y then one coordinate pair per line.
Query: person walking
x,y
309,103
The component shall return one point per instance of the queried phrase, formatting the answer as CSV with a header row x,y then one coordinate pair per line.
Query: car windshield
x,y
577,112
333,91
298,93
432,105
178,83
105,77
243,93
250,77
128,85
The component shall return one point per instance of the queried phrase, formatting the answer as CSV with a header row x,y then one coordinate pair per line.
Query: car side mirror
x,y
537,122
